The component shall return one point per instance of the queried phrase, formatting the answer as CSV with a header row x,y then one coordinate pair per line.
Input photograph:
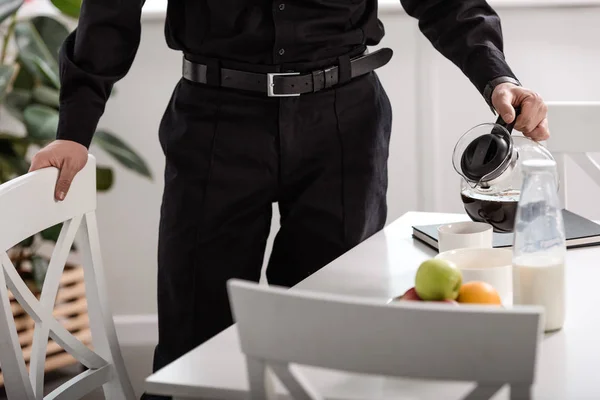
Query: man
x,y
233,146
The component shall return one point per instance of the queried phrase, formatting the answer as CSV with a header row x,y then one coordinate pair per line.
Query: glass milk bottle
x,y
539,247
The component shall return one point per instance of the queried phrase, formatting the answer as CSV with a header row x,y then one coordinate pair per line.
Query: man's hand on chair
x,y
68,156
532,121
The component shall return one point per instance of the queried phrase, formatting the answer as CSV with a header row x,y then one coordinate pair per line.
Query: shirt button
x,y
282,7
281,52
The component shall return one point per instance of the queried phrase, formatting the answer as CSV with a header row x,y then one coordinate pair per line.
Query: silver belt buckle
x,y
271,84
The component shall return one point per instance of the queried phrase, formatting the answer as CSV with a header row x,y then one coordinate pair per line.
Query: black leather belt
x,y
287,84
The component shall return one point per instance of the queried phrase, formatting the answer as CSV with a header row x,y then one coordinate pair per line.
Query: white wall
x,y
554,51
128,215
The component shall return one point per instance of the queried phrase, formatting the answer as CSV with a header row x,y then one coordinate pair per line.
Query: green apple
x,y
438,280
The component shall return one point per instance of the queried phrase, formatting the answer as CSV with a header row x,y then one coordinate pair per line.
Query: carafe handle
x,y
509,127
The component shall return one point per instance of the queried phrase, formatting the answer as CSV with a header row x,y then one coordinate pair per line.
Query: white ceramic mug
x,y
468,234
493,266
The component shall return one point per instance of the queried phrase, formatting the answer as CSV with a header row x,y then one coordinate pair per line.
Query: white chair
x,y
492,347
27,206
574,133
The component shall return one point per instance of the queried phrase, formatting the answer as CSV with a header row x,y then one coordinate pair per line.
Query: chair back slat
x,y
47,299
42,314
416,340
16,382
80,385
27,203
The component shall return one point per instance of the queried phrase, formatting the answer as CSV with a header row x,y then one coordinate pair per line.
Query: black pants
x,y
229,155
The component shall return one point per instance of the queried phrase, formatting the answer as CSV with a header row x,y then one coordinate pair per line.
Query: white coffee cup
x,y
493,266
460,235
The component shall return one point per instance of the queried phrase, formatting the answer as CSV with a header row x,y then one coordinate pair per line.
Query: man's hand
x,y
532,121
69,157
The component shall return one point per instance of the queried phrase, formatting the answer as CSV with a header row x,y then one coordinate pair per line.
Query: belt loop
x,y
213,72
345,69
316,81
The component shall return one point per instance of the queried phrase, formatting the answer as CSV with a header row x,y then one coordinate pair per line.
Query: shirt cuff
x,y
489,88
77,123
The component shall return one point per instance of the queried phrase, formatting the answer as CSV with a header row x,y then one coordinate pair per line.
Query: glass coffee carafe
x,y
488,158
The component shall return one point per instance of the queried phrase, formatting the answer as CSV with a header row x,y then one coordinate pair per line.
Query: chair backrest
x,y
492,346
27,206
574,133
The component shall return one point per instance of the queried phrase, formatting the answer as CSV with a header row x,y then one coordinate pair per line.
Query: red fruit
x,y
411,295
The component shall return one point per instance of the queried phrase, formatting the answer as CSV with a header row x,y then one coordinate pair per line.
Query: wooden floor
x,y
138,360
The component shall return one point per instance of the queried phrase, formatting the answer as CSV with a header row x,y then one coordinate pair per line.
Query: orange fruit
x,y
478,293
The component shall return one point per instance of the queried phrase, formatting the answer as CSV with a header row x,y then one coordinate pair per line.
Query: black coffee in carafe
x,y
498,210
488,158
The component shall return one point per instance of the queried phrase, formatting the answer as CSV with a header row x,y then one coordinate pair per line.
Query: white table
x,y
384,267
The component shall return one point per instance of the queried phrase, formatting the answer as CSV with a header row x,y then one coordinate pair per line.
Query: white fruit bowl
x,y
491,265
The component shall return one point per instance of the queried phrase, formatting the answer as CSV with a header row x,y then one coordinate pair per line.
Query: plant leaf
x,y
39,269
20,165
31,46
51,233
39,41
6,74
16,147
41,122
12,166
29,63
20,146
104,178
53,33
24,79
27,242
16,101
47,96
122,152
12,156
71,8
6,172
8,7
47,73
6,148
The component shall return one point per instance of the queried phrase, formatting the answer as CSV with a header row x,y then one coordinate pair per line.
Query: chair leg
x,y
261,385
483,392
16,378
520,392
294,381
104,335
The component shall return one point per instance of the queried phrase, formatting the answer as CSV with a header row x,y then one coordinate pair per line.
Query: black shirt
x,y
266,32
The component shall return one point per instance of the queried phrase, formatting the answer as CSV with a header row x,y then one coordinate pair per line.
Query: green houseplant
x,y
29,92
